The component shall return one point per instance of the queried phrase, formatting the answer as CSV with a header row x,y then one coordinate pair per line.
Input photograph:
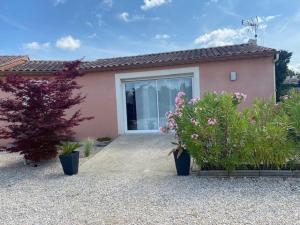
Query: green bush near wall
x,y
219,136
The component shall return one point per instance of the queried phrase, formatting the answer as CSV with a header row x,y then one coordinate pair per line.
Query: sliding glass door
x,y
147,101
167,90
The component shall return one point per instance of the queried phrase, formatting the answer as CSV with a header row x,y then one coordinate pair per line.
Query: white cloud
x,y
99,19
229,36
93,35
36,45
268,18
124,16
68,43
58,2
149,4
220,37
89,24
162,36
108,3
263,20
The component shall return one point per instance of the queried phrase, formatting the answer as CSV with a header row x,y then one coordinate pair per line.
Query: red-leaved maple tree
x,y
34,114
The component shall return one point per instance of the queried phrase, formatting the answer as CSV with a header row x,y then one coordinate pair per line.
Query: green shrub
x,y
214,131
218,135
88,146
291,105
68,147
268,135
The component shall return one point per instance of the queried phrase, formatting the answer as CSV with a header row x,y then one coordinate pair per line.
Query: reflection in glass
x,y
167,91
148,101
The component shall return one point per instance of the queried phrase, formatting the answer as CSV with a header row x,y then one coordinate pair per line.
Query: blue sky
x,y
72,29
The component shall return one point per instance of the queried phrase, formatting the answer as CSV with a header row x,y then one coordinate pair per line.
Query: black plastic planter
x,y
70,163
182,163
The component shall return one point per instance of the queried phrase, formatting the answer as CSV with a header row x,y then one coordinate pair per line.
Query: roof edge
x,y
149,65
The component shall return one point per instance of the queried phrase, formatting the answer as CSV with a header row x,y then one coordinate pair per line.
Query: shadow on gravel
x,y
13,171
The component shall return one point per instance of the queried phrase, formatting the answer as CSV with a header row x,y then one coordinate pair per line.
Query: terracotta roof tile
x,y
39,66
158,59
8,61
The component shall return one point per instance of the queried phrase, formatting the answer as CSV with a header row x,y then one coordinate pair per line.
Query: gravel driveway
x,y
43,195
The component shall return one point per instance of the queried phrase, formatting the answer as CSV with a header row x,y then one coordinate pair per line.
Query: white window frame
x,y
120,79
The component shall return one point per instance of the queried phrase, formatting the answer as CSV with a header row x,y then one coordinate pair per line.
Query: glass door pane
x,y
167,91
141,105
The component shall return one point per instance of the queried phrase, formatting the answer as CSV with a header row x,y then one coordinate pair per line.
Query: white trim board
x,y
120,97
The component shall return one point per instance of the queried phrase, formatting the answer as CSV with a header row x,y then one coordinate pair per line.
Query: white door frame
x,y
120,78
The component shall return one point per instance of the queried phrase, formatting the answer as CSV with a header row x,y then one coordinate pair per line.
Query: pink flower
x,y
163,130
195,136
178,112
244,96
193,101
169,115
172,124
180,94
194,122
239,96
179,101
211,121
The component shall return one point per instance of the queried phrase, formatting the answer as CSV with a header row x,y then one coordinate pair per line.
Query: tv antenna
x,y
252,24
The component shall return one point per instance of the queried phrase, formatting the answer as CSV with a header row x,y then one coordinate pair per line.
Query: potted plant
x,y
69,158
181,155
182,160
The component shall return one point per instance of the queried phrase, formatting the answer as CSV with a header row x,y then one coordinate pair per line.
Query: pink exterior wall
x,y
100,103
255,77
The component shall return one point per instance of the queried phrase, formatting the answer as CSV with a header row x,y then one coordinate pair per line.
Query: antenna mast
x,y
252,23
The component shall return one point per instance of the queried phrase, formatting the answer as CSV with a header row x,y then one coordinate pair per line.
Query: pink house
x,y
132,94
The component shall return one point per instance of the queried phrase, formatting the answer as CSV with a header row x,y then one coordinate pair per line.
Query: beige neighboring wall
x,y
255,77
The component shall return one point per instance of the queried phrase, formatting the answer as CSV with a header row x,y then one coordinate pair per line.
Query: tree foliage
x,y
282,71
34,114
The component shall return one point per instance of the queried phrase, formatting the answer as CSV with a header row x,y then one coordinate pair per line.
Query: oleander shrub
x,y
215,130
219,136
267,136
290,104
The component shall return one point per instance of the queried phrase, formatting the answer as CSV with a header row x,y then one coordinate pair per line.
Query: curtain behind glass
x,y
146,105
167,91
